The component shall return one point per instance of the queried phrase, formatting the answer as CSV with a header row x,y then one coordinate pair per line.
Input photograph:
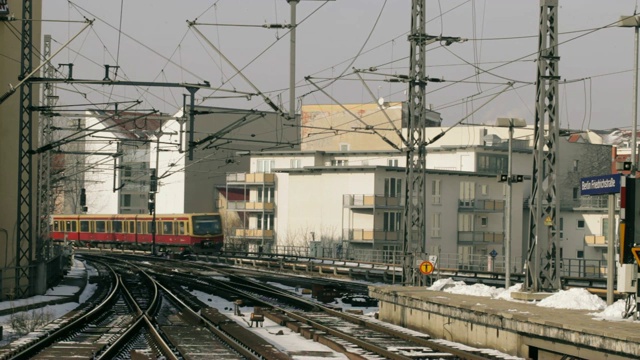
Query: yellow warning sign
x,y
548,221
426,267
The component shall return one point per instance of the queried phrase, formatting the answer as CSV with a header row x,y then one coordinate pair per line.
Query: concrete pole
x,y
610,249
507,244
634,129
292,65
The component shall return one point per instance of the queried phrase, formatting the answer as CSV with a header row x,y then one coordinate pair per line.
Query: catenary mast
x,y
414,230
543,256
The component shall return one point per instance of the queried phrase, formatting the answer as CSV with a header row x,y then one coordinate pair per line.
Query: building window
x,y
296,164
435,192
435,225
492,164
580,224
344,147
575,165
265,195
392,162
467,192
561,227
605,228
265,222
265,165
126,200
484,189
391,221
465,222
339,162
576,193
392,187
127,171
580,254
484,221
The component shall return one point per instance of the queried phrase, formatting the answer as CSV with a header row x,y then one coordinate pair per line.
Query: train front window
x,y
206,225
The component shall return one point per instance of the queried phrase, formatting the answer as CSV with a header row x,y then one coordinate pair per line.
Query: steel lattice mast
x,y
413,228
45,191
543,257
24,208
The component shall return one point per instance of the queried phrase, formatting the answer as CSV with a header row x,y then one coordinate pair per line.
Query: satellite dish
x,y
381,101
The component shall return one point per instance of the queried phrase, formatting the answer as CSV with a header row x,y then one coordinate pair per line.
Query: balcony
x,y
252,234
371,201
595,240
251,206
368,236
476,205
480,237
251,178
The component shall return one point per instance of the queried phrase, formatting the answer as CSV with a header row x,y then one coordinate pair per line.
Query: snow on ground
x,y
79,269
576,298
281,337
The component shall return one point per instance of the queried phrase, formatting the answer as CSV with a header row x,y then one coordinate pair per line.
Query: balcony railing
x,y
251,206
480,236
595,240
371,201
367,235
253,233
251,178
481,205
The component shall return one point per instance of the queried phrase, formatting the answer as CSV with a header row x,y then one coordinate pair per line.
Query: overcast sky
x,y
156,44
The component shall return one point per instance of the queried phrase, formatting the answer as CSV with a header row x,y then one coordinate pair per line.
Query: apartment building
x,y
356,199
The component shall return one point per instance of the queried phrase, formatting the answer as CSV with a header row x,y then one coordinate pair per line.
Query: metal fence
x,y
579,268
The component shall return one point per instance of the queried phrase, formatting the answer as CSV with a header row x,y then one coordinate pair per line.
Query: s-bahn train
x,y
201,233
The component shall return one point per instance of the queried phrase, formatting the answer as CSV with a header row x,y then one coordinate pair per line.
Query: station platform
x,y
517,328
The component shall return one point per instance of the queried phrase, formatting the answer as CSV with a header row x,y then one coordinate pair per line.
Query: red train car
x,y
197,232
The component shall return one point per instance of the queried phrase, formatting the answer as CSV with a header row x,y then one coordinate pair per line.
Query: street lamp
x,y
634,22
510,123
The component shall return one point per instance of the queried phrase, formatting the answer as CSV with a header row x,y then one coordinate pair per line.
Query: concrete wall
x,y
9,139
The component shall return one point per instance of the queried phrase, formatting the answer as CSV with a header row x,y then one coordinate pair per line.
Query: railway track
x,y
358,337
152,311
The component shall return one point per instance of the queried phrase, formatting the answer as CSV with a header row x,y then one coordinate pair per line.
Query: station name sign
x,y
598,185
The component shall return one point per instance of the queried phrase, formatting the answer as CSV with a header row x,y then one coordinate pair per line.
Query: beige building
x,y
345,127
9,137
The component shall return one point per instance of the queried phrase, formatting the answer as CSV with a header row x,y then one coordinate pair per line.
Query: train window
x,y
101,226
56,226
139,228
167,227
132,228
117,226
181,228
207,225
84,226
74,226
150,227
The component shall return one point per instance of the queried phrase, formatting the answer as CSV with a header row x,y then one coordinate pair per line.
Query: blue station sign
x,y
598,185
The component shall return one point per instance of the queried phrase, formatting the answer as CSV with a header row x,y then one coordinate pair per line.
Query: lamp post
x,y
510,123
634,22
